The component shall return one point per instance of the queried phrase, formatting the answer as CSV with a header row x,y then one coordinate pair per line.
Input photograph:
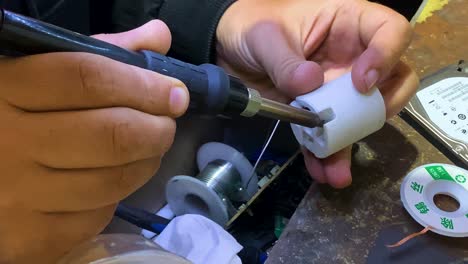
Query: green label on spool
x,y
439,173
446,222
460,178
417,187
422,208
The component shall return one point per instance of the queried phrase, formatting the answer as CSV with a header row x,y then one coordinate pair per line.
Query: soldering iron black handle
x,y
212,91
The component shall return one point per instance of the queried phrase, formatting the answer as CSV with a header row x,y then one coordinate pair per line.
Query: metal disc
x,y
187,195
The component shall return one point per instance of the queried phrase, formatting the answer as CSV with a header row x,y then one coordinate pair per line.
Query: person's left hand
x,y
287,48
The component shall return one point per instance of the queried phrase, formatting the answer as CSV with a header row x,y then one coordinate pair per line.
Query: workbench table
x,y
355,224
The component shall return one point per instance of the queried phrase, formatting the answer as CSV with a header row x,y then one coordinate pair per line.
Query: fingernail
x,y
372,77
178,100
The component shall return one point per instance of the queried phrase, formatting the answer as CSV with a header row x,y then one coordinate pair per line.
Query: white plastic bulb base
x,y
348,114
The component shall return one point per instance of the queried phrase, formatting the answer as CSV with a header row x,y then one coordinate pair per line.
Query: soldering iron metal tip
x,y
291,114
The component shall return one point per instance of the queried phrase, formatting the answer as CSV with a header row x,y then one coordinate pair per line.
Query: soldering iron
x,y
212,90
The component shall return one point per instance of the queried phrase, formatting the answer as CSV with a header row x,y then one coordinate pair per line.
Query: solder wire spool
x,y
223,178
417,194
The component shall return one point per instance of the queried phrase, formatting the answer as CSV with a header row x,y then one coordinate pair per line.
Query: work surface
x,y
355,224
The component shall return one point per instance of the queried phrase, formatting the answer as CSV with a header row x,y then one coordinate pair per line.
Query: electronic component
x,y
439,111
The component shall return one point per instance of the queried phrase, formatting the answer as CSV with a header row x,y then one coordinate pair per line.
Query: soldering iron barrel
x,y
21,35
283,112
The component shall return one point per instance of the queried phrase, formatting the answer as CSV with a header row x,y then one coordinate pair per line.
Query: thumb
x,y
154,36
284,62
386,34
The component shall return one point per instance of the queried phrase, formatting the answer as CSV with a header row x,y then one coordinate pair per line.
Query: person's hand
x,y
287,48
79,132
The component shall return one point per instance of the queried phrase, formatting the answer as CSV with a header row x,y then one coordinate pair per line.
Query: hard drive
x,y
439,111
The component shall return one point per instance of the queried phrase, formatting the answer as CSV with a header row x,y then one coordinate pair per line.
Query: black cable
x,y
142,218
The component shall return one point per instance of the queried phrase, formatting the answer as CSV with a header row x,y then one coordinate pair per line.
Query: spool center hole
x,y
446,202
197,205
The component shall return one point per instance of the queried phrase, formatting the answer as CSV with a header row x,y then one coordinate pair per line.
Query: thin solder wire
x,y
252,174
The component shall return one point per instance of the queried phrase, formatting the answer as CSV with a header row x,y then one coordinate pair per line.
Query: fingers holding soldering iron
x,y
77,81
96,138
154,36
93,130
80,132
88,111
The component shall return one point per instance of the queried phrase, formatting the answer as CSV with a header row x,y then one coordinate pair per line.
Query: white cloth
x,y
165,212
199,240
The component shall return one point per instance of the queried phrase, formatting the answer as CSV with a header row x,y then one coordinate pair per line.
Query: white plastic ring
x,y
187,195
423,183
